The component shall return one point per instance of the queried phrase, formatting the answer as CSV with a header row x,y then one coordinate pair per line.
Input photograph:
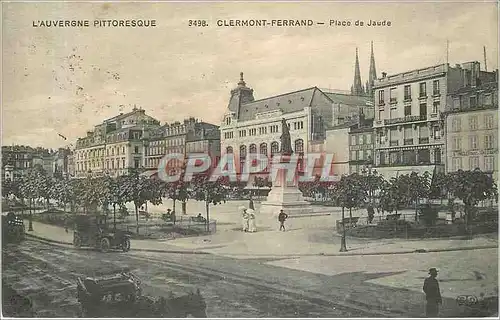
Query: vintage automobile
x,y
119,295
92,231
13,230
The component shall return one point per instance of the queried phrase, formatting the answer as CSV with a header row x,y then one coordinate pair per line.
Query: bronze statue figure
x,y
286,142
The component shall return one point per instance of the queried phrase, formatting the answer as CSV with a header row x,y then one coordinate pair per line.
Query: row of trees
x,y
94,193
352,191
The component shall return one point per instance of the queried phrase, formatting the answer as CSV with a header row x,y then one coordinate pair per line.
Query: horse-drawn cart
x,y
119,295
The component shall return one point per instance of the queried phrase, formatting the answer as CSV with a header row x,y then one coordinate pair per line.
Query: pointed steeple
x,y
357,88
372,75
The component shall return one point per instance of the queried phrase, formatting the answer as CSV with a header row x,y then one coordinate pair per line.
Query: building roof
x,y
490,86
124,115
349,100
287,103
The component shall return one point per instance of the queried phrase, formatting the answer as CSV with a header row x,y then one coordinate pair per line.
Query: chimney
x,y
384,75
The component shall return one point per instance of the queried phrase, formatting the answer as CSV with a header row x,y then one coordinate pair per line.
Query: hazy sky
x,y
66,80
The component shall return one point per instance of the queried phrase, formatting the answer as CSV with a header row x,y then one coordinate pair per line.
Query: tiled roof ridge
x,y
281,95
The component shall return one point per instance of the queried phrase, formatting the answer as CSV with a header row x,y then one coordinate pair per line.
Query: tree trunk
x,y
416,210
48,203
207,208
136,218
114,216
173,207
184,203
30,226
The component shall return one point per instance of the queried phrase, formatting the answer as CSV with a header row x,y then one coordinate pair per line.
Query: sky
x,y
66,80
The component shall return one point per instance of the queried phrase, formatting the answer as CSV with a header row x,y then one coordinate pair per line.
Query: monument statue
x,y
286,142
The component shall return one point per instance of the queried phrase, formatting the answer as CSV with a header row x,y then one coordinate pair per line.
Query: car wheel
x,y
126,245
77,242
105,245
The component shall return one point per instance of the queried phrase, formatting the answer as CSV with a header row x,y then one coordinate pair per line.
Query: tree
x,y
30,189
63,192
392,195
373,182
113,194
212,192
140,190
349,192
91,194
177,191
471,187
438,188
416,187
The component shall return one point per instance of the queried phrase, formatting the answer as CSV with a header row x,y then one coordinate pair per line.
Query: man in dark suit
x,y
282,218
432,294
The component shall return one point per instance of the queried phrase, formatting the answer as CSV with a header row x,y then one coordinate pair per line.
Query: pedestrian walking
x,y
432,294
282,218
250,204
244,218
251,220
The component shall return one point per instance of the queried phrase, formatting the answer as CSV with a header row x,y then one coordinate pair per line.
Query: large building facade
x,y
409,119
189,136
115,146
254,126
472,129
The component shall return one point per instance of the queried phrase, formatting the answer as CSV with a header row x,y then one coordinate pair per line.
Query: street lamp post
x,y
343,246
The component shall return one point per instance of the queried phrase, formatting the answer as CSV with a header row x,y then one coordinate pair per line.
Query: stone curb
x,y
291,256
132,249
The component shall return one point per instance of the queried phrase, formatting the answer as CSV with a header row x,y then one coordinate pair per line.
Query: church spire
x,y
357,88
372,75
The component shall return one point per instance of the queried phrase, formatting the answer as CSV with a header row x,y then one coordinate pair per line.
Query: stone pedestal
x,y
285,196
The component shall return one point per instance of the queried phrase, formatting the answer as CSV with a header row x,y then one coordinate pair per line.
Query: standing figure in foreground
x,y
282,218
432,294
251,220
244,218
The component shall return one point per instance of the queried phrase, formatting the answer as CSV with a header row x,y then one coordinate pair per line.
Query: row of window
x,y
263,149
407,90
489,143
456,123
409,157
394,112
359,139
110,164
473,101
162,150
297,125
487,165
394,135
81,155
361,155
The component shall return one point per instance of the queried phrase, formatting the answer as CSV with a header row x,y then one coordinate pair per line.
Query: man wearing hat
x,y
432,294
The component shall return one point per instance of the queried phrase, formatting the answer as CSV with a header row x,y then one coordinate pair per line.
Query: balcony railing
x,y
422,95
393,100
405,119
408,142
423,140
393,143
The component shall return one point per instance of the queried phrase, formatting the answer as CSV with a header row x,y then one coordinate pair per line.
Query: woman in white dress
x,y
244,218
251,220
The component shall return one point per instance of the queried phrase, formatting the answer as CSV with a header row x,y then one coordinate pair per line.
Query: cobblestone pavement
x,y
232,288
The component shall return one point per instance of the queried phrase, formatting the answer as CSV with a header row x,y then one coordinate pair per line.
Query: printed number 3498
x,y
198,23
